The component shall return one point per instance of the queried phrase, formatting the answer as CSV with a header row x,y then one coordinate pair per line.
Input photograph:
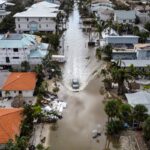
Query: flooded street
x,y
85,109
81,62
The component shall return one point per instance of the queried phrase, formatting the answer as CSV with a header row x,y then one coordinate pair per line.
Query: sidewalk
x,y
41,135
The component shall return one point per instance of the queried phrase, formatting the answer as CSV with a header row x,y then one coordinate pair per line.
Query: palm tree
x,y
104,72
112,109
100,27
146,129
140,113
54,41
119,75
132,71
126,113
39,71
25,66
107,50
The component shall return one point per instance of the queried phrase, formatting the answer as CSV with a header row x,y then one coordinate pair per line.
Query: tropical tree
x,y
132,71
147,26
19,144
140,113
114,127
146,129
112,109
107,51
54,41
40,74
25,66
41,147
125,113
99,53
37,111
119,75
104,72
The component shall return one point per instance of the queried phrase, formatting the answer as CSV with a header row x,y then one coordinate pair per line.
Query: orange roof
x,y
19,81
10,121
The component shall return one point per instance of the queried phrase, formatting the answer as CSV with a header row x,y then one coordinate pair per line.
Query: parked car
x,y
75,84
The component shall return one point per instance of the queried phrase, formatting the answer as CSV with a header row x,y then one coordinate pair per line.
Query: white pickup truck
x,y
59,58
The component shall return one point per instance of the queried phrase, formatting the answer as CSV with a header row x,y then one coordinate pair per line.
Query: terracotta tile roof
x,y
10,121
19,81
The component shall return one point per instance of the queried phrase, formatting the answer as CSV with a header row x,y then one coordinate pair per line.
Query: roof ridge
x,y
13,80
19,109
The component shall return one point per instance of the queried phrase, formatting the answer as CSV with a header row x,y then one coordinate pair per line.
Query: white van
x,y
59,58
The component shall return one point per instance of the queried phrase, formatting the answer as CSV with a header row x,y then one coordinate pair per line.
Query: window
x,y
27,19
20,92
39,26
124,21
39,19
7,60
15,57
46,18
27,26
47,25
18,19
18,25
15,49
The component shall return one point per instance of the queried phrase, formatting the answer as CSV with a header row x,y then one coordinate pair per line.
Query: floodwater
x,y
81,62
85,110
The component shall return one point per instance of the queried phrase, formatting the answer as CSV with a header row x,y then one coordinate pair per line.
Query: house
x,y
123,54
3,11
139,52
19,83
142,12
140,64
10,124
124,16
110,36
143,51
141,97
16,48
39,17
102,9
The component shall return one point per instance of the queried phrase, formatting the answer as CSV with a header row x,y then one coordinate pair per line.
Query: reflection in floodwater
x,y
85,108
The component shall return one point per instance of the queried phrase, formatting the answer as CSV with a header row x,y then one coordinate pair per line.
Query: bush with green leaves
x,y
114,127
146,129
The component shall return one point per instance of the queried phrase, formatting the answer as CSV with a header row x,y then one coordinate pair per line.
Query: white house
x,y
124,16
3,11
39,17
123,54
142,12
103,10
139,52
19,83
110,36
16,48
142,51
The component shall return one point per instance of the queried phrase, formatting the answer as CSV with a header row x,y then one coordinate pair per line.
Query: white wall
x,y
121,40
120,20
14,57
15,93
43,24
